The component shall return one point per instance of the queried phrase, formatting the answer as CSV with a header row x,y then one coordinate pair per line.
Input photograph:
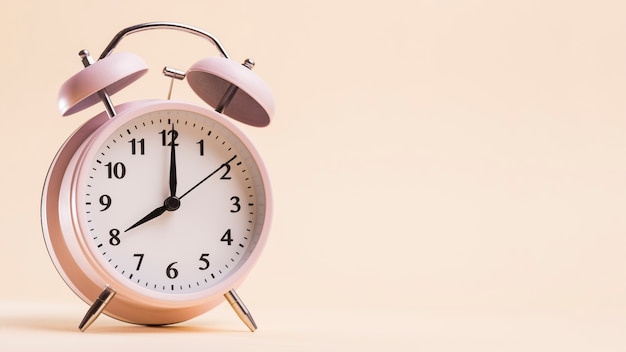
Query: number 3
x,y
235,200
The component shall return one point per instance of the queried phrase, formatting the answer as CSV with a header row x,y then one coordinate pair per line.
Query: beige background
x,y
448,174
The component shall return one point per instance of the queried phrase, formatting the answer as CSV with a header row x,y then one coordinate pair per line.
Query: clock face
x,y
170,201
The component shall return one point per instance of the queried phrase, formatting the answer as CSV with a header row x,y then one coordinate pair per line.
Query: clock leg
x,y
240,309
96,308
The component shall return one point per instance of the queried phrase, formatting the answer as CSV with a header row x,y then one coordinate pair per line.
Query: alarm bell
x,y
111,75
230,88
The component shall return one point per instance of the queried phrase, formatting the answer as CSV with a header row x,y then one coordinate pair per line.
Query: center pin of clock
x,y
172,203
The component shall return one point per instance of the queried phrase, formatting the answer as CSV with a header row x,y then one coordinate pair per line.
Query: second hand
x,y
211,174
173,203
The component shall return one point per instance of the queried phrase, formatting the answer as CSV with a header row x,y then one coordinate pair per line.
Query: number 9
x,y
105,201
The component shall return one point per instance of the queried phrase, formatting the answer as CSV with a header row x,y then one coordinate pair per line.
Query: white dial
x,y
170,201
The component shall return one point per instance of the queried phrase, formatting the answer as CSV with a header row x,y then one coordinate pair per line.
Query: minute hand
x,y
211,174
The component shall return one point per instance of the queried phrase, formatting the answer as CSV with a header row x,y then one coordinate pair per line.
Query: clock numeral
x,y
133,146
117,170
201,144
205,261
105,201
164,134
224,176
140,256
236,204
115,239
227,237
171,271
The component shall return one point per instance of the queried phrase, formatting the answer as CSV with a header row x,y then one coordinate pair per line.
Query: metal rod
x,y
232,89
174,74
104,96
244,314
96,308
161,25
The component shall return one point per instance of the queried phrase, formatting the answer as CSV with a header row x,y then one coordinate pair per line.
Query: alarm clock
x,y
154,211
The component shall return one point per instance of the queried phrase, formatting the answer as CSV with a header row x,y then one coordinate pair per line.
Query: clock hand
x,y
172,203
173,179
211,174
153,214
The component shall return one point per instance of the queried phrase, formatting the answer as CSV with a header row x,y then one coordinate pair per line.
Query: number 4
x,y
227,237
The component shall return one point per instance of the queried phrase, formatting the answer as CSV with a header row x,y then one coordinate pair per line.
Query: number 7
x,y
140,260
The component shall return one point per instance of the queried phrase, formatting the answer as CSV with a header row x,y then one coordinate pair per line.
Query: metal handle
x,y
161,25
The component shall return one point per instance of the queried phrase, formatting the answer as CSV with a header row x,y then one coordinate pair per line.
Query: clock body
x,y
167,203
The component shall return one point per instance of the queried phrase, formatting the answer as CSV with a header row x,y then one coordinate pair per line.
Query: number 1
x,y
201,143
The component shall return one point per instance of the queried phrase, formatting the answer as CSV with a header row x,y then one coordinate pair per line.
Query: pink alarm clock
x,y
154,211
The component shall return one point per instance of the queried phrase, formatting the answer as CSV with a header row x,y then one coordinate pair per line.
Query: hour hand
x,y
153,214
170,204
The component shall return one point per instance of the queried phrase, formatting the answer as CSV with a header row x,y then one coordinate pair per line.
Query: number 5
x,y
205,261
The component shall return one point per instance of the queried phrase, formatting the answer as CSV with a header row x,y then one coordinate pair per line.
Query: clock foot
x,y
96,308
240,309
